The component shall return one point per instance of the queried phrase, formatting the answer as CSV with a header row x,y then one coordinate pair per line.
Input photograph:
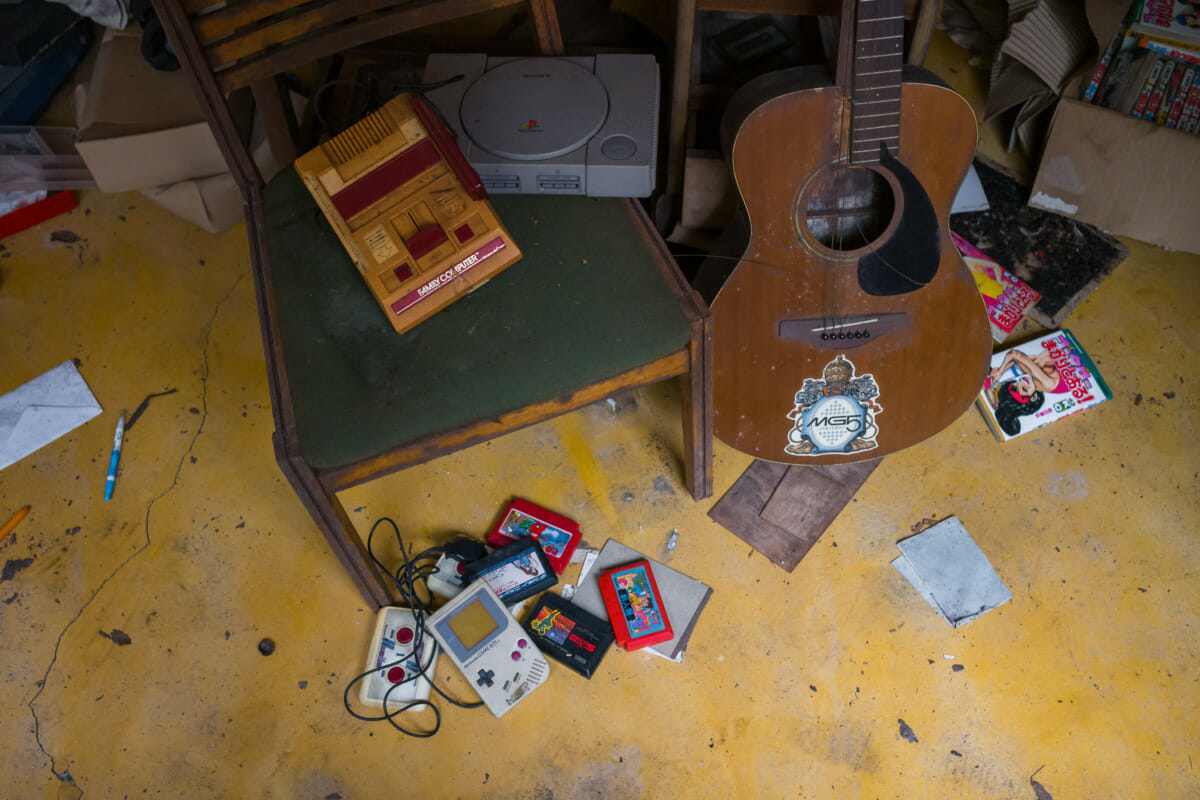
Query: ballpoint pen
x,y
116,456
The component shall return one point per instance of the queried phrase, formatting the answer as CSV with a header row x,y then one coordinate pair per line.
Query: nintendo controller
x,y
393,664
446,580
489,646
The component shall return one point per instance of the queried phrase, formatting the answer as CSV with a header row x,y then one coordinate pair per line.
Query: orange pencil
x,y
14,522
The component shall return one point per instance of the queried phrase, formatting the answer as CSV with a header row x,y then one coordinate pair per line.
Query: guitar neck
x,y
870,60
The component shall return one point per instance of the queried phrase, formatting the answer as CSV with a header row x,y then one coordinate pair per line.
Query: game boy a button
x,y
521,643
404,635
395,674
485,677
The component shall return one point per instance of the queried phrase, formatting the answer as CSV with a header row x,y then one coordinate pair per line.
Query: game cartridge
x,y
515,572
557,535
635,606
567,633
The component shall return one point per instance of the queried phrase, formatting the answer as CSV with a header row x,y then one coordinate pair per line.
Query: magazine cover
x,y
1169,19
1036,383
1005,295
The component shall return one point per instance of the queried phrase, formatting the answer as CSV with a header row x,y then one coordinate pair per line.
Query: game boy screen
x,y
472,624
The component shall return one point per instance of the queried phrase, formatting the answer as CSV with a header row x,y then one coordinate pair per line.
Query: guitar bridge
x,y
843,332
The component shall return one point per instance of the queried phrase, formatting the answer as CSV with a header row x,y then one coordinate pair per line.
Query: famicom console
x,y
409,209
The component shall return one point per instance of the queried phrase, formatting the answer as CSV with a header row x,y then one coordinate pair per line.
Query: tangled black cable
x,y
415,569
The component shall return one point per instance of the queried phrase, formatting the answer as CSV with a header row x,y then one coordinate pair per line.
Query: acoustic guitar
x,y
850,328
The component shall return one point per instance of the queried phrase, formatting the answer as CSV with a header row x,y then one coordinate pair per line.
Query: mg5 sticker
x,y
834,413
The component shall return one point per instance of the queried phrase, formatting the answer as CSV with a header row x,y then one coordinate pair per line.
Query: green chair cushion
x,y
586,302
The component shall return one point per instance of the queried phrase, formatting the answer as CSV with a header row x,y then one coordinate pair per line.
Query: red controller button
x,y
404,635
395,674
522,643
460,568
516,656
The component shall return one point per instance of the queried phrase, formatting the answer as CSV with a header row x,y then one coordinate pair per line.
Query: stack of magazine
x,y
1151,69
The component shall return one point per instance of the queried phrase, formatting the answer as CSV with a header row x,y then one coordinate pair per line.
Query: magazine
x,y
1005,295
1033,384
1169,19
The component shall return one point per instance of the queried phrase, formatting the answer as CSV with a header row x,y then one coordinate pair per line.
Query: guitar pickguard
x,y
910,258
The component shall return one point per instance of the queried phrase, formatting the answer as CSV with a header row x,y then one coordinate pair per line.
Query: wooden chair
x,y
596,306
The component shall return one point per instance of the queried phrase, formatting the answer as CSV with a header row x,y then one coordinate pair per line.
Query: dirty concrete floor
x,y
131,629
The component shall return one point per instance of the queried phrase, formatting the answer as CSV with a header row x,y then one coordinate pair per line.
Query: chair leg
x,y
697,412
545,26
339,531
275,108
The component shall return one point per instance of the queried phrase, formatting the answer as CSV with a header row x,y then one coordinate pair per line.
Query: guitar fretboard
x,y
875,86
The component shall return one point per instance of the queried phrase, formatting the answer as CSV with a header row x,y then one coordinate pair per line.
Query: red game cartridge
x,y
557,535
635,606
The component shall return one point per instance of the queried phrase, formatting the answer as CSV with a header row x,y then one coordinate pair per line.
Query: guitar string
x,y
843,164
851,222
833,266
845,203
827,273
862,233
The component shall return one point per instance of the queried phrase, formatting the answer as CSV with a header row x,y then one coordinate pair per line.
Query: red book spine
x,y
1191,109
1144,95
1168,98
1159,88
36,213
1181,98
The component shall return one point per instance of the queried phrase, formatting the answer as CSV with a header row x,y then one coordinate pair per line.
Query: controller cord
x,y
416,569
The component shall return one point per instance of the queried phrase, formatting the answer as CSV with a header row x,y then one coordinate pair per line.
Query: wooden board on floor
x,y
781,511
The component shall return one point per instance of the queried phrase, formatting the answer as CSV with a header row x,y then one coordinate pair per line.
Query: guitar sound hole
x,y
848,208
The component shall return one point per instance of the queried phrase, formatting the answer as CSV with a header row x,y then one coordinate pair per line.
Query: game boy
x,y
489,646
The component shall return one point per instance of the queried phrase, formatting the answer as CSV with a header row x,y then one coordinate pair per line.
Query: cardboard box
x,y
214,203
1045,43
1124,175
139,127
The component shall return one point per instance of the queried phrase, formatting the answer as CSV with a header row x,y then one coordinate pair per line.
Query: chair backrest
x,y
227,45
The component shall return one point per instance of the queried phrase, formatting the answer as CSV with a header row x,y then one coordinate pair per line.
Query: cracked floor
x,y
131,628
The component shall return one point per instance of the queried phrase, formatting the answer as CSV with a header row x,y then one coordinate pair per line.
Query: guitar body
x,y
837,345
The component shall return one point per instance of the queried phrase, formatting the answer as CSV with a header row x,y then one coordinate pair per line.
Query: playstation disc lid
x,y
534,108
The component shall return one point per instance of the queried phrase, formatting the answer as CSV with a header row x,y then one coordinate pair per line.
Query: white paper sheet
x,y
36,413
971,196
945,565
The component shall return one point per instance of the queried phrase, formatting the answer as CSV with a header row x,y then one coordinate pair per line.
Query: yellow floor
x,y
793,685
